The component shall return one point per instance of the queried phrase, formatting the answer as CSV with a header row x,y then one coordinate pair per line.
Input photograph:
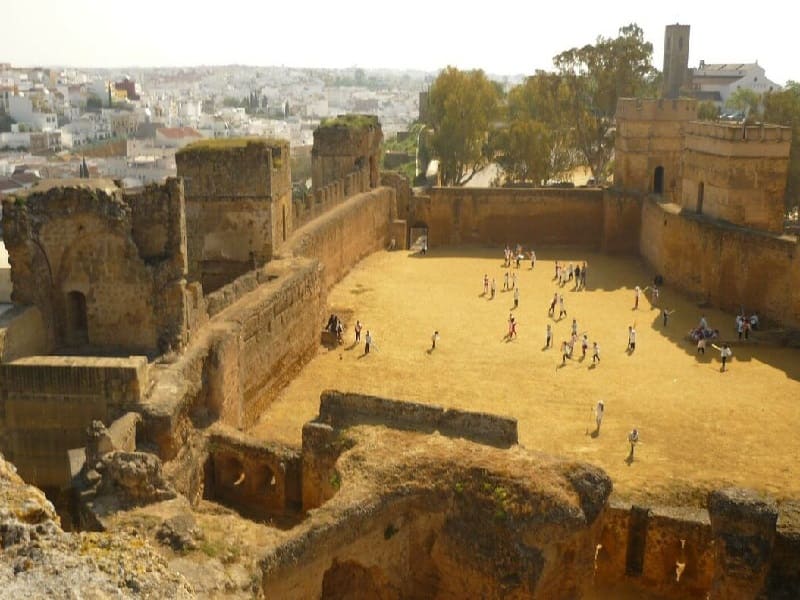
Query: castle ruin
x,y
192,304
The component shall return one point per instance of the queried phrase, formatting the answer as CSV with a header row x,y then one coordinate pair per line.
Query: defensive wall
x,y
534,217
724,264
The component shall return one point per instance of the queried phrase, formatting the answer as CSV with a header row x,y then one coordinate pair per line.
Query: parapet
x,y
738,133
253,168
650,109
339,409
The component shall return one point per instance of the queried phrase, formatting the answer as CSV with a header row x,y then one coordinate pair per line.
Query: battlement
x,y
229,168
739,134
649,109
344,145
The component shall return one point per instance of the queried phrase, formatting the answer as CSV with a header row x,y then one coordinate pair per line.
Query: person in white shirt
x,y
725,353
631,338
595,353
598,414
434,339
516,297
633,439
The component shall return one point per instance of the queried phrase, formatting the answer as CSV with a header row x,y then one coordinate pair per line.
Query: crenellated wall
x,y
721,263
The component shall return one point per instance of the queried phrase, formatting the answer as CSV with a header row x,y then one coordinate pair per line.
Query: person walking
x,y
562,311
595,352
631,338
548,340
434,339
485,283
598,414
584,345
494,287
551,311
637,291
367,342
633,439
665,315
505,281
357,329
516,297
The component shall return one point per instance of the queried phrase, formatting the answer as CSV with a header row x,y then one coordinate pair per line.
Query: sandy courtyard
x,y
699,428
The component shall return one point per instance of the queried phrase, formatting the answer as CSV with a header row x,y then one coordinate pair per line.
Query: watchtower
x,y
676,59
346,144
238,205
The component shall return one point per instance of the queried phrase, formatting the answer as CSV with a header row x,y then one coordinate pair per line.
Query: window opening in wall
x,y
658,181
700,191
77,320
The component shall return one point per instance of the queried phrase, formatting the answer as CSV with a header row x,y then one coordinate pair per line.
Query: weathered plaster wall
x,y
727,265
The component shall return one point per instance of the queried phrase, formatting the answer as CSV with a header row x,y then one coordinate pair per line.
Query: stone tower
x,y
676,59
649,144
736,173
346,144
238,205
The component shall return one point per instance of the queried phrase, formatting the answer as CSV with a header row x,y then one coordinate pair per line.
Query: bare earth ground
x,y
699,428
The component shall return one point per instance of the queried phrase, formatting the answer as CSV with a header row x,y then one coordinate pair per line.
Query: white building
x,y
716,82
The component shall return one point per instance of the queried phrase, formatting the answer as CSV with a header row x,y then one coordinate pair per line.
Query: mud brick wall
x,y
727,265
46,403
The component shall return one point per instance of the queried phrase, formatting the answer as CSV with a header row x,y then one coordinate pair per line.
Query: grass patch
x,y
350,122
217,144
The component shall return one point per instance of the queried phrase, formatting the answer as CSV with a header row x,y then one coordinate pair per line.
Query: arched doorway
x,y
77,321
658,181
700,191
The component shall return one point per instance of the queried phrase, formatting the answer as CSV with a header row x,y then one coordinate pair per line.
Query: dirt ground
x,y
699,428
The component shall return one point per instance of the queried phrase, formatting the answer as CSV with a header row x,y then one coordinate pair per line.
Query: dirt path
x,y
698,427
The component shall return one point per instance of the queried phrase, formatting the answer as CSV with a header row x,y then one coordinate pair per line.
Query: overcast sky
x,y
502,37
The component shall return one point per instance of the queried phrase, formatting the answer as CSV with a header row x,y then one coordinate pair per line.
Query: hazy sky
x,y
502,37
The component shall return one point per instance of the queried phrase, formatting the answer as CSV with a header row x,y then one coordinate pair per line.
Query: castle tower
x,y
649,143
238,205
676,59
736,173
344,145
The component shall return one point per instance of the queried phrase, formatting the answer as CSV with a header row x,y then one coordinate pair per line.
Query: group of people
x,y
517,256
336,327
568,346
566,273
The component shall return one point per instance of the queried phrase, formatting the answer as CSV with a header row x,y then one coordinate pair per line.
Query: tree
x,y
783,108
746,101
597,76
534,144
707,111
463,104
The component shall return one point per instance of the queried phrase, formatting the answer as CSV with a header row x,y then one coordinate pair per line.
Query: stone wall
x,y
340,410
238,205
726,265
345,144
46,403
736,173
88,257
530,216
258,479
348,233
650,135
